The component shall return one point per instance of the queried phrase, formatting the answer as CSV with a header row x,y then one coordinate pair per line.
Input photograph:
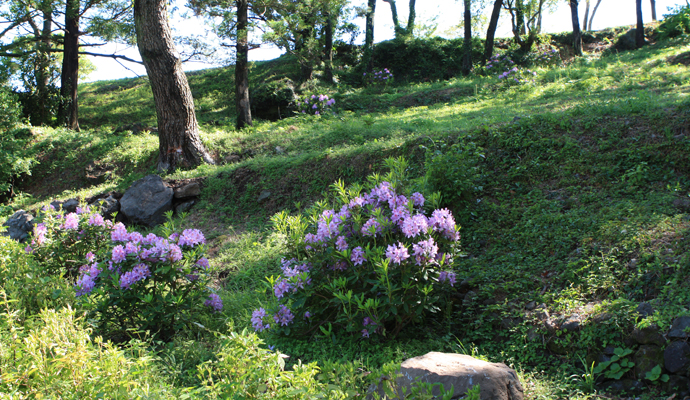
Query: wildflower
x,y
284,316
40,231
415,225
397,254
424,251
307,315
175,253
365,333
417,199
357,256
132,248
90,257
371,227
119,233
258,320
214,302
136,237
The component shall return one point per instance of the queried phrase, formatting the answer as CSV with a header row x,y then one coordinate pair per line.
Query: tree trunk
x,y
43,47
596,6
396,23
584,24
178,130
369,37
491,32
68,112
328,48
467,56
653,10
411,19
639,31
577,35
242,105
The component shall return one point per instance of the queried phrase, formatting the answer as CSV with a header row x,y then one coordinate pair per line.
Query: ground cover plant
x,y
571,192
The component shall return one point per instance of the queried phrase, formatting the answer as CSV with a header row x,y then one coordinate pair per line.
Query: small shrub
x,y
128,281
455,172
314,104
245,370
676,23
544,56
367,262
380,77
10,110
13,158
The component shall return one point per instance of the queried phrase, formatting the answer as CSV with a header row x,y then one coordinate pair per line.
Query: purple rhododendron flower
x,y
71,221
203,263
281,287
341,244
191,237
365,333
138,273
96,220
258,320
119,254
371,227
424,251
284,316
214,302
40,231
307,315
119,233
417,199
415,225
357,256
447,276
367,321
397,254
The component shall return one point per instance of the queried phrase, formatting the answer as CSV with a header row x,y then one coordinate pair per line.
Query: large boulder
x,y
19,225
146,201
677,358
462,372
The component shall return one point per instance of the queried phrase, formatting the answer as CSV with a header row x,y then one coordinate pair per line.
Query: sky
x,y
447,13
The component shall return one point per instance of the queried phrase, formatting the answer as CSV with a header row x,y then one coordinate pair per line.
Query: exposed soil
x,y
682,58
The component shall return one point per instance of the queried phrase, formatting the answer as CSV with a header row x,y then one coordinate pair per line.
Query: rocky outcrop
x,y
19,225
146,201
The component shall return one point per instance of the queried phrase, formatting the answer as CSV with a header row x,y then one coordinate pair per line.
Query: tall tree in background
x,y
178,130
242,104
329,32
407,31
68,112
639,31
596,6
467,52
653,10
491,31
369,35
525,18
584,23
577,34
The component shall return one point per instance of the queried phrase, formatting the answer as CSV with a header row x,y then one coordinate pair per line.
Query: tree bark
x,y
491,32
584,24
242,104
653,10
396,23
178,130
596,6
639,31
68,112
411,19
467,56
369,37
328,48
577,35
43,47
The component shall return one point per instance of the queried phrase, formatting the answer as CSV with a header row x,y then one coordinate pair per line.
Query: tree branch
x,y
114,56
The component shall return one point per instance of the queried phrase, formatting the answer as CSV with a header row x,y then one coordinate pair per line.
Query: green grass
x,y
576,206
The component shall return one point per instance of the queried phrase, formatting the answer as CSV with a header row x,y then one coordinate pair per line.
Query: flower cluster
x,y
378,77
214,302
517,76
128,279
360,254
545,56
499,63
315,104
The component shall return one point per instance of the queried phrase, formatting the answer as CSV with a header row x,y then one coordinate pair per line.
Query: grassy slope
x,y
576,207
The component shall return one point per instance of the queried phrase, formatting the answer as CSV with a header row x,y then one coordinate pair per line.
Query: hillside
x,y
571,189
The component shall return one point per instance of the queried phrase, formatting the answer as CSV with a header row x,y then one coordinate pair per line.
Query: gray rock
x,y
627,41
108,206
645,309
184,207
263,196
623,385
572,323
646,358
678,385
648,335
677,357
19,226
70,206
678,328
190,190
146,201
462,372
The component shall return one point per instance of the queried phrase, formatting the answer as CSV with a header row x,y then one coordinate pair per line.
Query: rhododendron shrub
x,y
369,261
130,282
